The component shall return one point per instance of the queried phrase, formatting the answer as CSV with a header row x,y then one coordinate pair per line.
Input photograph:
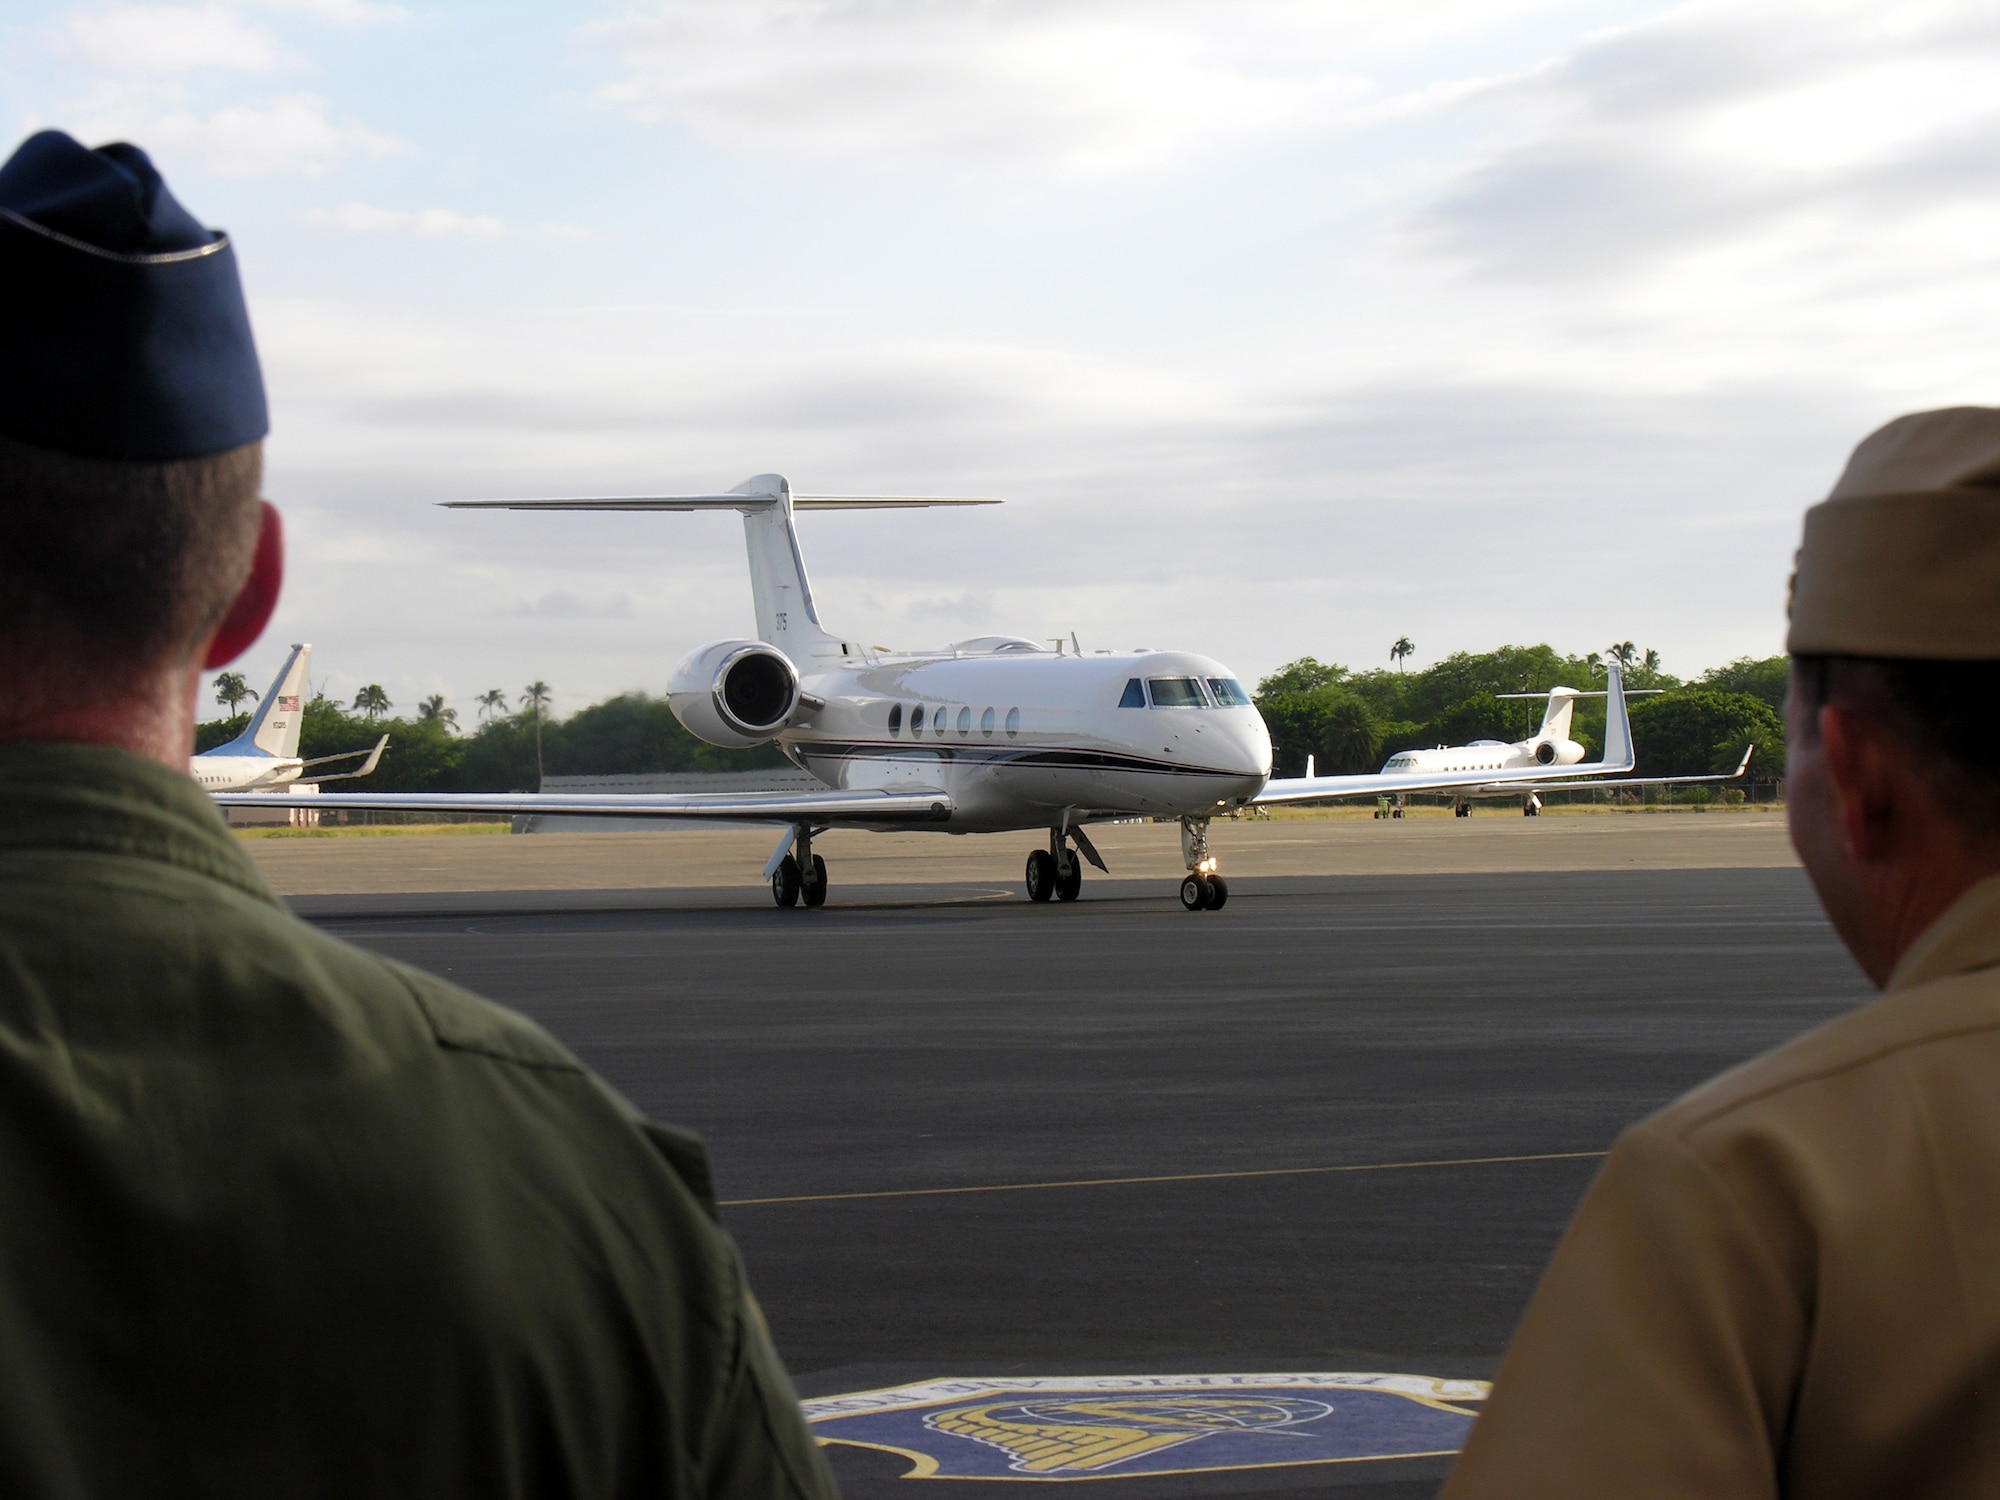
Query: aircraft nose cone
x,y
1251,753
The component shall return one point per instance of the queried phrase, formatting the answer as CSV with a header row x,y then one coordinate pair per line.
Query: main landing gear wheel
x,y
1042,880
1218,892
1070,884
814,889
785,883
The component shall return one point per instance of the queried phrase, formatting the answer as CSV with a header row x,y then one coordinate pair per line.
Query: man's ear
x,y
1858,763
257,600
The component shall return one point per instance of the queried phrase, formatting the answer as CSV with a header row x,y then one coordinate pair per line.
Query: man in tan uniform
x,y
277,1217
1788,1282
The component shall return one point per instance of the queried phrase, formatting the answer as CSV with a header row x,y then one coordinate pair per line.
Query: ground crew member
x,y
1788,1282
277,1217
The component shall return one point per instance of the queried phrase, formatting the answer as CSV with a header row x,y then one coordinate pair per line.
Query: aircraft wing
x,y
367,766
866,808
1742,768
1375,784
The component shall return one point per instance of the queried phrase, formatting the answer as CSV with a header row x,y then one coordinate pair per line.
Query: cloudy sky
x,y
1284,326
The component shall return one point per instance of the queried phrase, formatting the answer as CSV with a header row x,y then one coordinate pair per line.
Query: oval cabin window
x,y
895,718
986,723
964,722
1013,722
917,719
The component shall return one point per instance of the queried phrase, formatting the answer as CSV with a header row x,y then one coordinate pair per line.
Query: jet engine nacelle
x,y
1558,753
735,693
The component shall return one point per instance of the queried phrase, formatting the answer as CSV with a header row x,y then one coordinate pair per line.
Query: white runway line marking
x,y
1083,1182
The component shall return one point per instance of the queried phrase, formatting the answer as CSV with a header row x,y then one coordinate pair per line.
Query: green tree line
x,y
1352,721
630,734
1346,720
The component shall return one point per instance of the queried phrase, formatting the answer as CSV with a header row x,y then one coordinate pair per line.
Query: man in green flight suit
x,y
277,1217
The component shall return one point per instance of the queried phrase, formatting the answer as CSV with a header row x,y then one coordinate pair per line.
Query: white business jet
x,y
265,755
1551,747
987,735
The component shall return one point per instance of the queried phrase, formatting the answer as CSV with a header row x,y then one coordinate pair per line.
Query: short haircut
x,y
1945,712
121,567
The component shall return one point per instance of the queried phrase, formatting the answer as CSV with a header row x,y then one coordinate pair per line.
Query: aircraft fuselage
x,y
1019,736
244,773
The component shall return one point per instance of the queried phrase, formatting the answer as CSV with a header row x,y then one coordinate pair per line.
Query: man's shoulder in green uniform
x,y
284,1215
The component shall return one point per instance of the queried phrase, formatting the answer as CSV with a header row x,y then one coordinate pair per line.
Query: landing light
x,y
1207,866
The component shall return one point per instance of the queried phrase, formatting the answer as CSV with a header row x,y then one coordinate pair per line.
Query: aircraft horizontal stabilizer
x,y
724,502
885,502
1573,693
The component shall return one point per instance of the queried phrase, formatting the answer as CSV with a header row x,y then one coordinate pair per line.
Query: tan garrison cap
x,y
1902,560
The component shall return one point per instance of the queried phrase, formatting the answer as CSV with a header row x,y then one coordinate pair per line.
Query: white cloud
x,y
1720,123
560,606
1507,349
340,12
363,218
166,39
1085,87
575,234
1734,194
1288,505
291,135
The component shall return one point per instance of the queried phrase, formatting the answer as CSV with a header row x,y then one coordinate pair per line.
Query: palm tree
x,y
1651,660
1624,653
492,701
536,696
231,689
432,710
1404,647
371,702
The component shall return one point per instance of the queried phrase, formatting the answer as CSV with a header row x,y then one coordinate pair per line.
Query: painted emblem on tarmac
x,y
1119,1426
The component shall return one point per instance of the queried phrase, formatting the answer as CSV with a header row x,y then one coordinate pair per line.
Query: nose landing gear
x,y
1204,889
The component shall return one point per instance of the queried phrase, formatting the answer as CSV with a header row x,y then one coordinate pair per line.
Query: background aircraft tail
x,y
274,727
1617,723
1556,717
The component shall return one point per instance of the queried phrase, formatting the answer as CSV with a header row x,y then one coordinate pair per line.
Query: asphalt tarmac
x,y
1337,1126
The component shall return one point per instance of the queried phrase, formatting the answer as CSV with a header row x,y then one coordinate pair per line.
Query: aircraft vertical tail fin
x,y
786,614
1617,723
1556,717
275,728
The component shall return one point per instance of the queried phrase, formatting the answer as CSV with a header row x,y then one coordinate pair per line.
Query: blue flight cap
x,y
123,332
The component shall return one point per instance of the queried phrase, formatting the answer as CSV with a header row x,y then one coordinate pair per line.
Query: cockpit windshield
x,y
1228,692
1176,692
